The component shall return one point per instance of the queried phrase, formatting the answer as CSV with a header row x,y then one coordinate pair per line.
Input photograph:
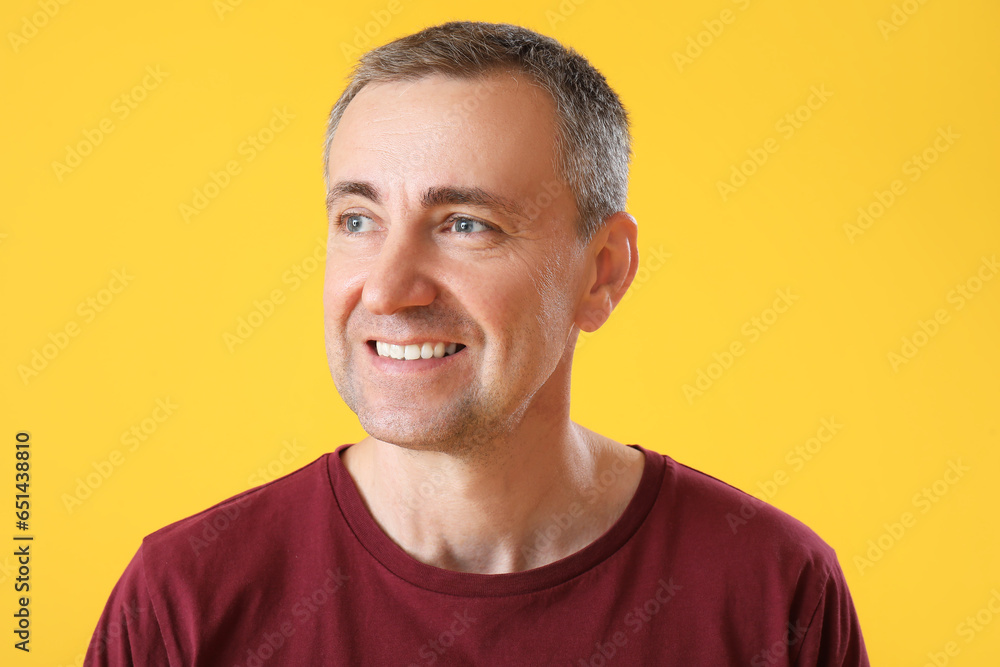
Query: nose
x,y
400,275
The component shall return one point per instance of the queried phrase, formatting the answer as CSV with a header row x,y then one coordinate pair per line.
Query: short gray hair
x,y
593,144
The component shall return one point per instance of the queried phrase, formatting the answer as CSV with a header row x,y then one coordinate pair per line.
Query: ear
x,y
612,260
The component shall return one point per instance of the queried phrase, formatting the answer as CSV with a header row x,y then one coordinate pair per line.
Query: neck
x,y
509,506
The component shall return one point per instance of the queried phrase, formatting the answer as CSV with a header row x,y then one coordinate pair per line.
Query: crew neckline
x,y
472,584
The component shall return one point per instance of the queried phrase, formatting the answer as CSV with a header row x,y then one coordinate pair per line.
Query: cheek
x,y
555,289
515,308
546,284
332,297
342,285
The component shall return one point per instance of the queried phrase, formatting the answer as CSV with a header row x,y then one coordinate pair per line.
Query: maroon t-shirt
x,y
297,572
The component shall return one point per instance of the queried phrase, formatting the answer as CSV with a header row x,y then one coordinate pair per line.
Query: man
x,y
477,178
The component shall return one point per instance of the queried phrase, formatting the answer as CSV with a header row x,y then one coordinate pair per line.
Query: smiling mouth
x,y
428,350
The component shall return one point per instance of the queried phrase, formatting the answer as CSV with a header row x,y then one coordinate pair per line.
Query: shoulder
x,y
758,570
244,553
251,522
739,530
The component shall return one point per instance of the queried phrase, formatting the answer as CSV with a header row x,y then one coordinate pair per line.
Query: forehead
x,y
500,130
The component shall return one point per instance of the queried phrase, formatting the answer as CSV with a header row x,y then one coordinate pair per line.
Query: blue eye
x,y
466,225
355,222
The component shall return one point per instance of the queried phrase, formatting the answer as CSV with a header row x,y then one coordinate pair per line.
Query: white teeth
x,y
415,350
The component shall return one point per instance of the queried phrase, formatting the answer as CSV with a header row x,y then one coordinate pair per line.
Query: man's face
x,y
449,225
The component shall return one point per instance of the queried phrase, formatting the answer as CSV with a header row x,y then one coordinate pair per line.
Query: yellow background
x,y
162,336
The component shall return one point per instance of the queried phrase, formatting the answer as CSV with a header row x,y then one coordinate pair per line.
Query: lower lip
x,y
401,366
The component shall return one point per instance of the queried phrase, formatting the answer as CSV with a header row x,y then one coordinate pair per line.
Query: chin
x,y
406,431
448,433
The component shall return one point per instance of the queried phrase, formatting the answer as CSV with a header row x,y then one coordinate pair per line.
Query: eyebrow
x,y
343,189
434,196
